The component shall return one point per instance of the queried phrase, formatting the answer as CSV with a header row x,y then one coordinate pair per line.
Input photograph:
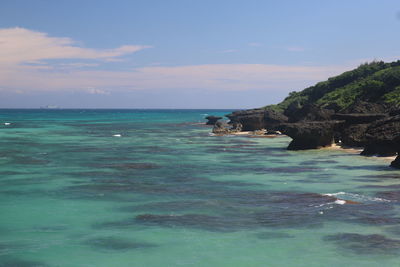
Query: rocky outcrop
x,y
272,118
236,127
212,119
382,137
359,118
353,135
354,126
257,119
273,132
357,108
310,112
309,135
368,107
251,120
221,128
396,163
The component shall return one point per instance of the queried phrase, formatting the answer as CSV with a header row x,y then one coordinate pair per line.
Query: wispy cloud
x,y
295,48
78,65
19,45
96,91
23,67
203,77
255,44
230,51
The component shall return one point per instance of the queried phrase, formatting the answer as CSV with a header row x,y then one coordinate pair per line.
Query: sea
x,y
154,188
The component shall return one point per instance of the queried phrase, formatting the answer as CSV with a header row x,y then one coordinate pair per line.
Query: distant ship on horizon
x,y
50,107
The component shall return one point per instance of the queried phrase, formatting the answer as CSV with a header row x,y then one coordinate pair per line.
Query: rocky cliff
x,y
357,108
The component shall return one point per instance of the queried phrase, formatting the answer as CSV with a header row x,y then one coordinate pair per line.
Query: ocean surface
x,y
123,188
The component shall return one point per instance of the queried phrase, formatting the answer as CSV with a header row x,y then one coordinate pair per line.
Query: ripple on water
x,y
273,235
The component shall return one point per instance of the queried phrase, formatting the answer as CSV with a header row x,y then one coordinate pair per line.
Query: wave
x,y
356,197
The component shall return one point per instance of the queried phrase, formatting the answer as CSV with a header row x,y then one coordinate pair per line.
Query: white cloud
x,y
19,45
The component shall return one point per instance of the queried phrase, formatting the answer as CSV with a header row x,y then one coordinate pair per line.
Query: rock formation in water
x,y
212,119
382,137
221,128
309,135
357,108
257,119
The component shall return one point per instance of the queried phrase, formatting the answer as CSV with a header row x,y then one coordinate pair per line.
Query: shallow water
x,y
154,188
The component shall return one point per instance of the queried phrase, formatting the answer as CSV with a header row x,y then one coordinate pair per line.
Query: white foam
x,y
117,135
334,194
340,201
357,197
7,123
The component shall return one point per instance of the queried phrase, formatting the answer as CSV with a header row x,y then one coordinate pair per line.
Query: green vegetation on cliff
x,y
370,82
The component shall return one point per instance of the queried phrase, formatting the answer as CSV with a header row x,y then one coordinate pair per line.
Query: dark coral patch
x,y
134,166
113,243
290,169
15,262
390,195
365,244
198,221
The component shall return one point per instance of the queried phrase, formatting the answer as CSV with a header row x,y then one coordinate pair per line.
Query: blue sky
x,y
184,54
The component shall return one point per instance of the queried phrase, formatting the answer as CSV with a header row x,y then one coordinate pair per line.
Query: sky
x,y
230,54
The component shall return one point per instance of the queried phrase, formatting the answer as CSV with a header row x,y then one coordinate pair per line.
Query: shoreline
x,y
358,150
334,146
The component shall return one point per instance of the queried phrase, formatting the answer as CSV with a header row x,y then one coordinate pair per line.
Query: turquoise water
x,y
153,188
